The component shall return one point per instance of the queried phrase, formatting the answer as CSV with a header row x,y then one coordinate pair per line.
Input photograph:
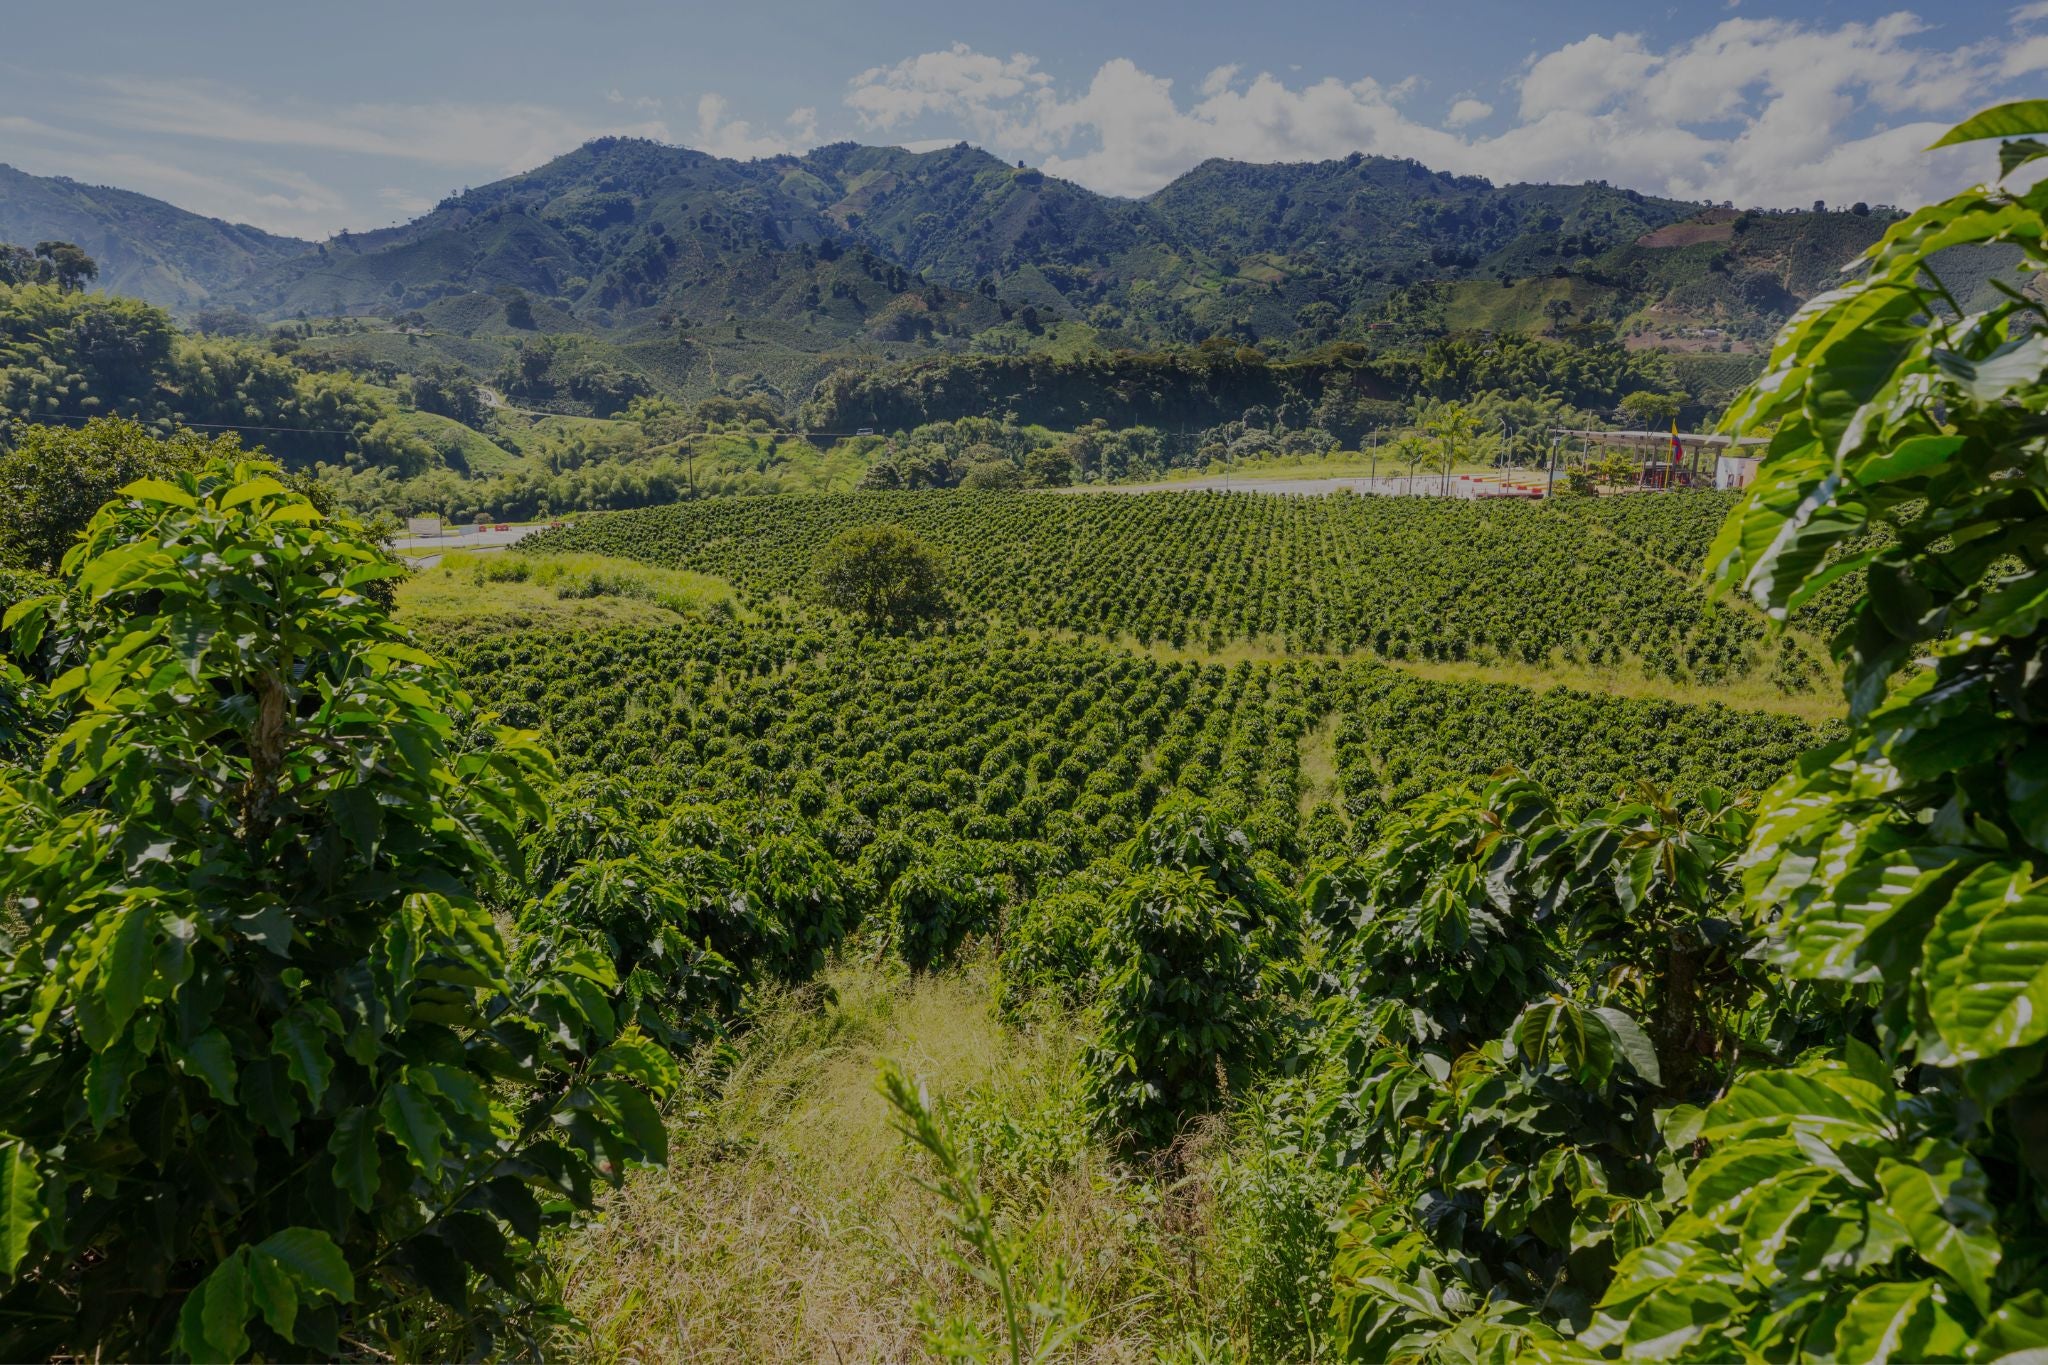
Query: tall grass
x,y
795,1222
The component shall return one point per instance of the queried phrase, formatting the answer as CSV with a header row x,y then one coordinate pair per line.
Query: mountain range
x,y
621,232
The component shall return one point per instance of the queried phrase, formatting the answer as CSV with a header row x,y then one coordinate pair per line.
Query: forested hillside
x,y
624,234
145,248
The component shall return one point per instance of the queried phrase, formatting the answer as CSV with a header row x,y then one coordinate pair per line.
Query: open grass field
x,y
584,590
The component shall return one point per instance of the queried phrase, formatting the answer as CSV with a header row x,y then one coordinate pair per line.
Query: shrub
x,y
270,1079
1049,948
939,897
1178,1012
671,982
1906,857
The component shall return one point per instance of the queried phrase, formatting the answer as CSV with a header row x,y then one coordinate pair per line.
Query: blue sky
x,y
307,119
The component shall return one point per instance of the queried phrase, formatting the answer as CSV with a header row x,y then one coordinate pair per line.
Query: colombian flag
x,y
1677,450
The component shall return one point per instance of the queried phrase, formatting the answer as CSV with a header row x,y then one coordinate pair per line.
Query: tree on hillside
x,y
18,265
1411,449
1649,411
70,268
1048,467
1456,436
883,574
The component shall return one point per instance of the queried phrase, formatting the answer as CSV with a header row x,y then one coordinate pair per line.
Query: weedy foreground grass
x,y
791,1224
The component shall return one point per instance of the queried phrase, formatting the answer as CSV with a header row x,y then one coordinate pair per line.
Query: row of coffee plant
x,y
1609,582
1003,737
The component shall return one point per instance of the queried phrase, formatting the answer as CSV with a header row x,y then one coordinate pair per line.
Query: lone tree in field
x,y
882,574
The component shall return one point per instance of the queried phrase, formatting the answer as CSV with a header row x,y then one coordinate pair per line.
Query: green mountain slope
x,y
145,247
869,250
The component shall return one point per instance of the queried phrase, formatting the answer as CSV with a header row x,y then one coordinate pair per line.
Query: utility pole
x,y
1550,471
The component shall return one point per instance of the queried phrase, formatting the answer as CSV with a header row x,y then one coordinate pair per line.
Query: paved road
x,y
1423,485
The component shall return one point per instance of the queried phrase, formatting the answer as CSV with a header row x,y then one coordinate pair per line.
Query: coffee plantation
x,y
358,982
1608,582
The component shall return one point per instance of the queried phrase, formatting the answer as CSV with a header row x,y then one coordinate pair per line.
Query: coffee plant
x,y
1055,751
1827,1142
273,1085
1891,1201
1178,1009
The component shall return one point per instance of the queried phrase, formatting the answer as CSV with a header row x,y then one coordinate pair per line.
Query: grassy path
x,y
789,1224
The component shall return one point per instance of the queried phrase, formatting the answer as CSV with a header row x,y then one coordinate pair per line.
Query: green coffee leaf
x,y
213,1324
1986,963
21,1203
356,1162
410,1118
301,1038
1903,1322
1631,1043
1940,1197
2016,119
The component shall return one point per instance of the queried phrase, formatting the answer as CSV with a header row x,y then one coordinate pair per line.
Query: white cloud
x,y
1761,111
723,136
1584,75
1467,110
1757,110
404,203
958,81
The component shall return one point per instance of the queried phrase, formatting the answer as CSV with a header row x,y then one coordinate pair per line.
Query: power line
x,y
37,418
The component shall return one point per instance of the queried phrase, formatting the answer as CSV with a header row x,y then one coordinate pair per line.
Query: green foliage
x,y
671,982
1520,1129
939,897
564,373
1892,1202
58,477
79,356
1049,944
271,1078
1038,1321
1037,749
883,574
1652,411
1179,1014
